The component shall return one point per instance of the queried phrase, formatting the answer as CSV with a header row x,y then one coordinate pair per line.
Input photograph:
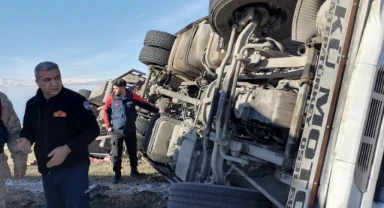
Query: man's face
x,y
50,82
118,91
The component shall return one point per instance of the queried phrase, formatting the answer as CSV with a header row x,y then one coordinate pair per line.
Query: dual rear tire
x,y
157,48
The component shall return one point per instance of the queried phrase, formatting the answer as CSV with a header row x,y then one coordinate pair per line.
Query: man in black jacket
x,y
61,125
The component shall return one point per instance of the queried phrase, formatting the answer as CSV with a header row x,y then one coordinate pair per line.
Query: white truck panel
x,y
304,177
358,30
343,191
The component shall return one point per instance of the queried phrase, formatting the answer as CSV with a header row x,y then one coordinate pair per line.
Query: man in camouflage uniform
x,y
12,124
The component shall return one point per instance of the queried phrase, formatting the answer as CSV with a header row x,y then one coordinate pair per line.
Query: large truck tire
x,y
154,56
85,93
193,195
140,142
304,20
141,129
159,39
221,16
141,125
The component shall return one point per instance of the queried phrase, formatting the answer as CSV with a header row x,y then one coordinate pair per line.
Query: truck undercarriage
x,y
269,103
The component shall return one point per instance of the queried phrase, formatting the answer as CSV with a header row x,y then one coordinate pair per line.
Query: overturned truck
x,y
270,103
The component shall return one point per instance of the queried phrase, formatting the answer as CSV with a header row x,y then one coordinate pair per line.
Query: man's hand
x,y
24,145
109,130
59,154
19,172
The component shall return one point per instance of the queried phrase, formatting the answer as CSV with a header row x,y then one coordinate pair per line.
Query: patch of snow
x,y
68,81
35,186
82,81
161,188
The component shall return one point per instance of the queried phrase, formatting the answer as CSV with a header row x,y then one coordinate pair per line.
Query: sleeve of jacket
x,y
86,122
144,104
12,123
27,130
107,112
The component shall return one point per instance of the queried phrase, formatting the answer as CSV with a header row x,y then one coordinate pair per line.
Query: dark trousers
x,y
65,188
130,140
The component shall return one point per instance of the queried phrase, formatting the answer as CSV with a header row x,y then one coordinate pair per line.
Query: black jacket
x,y
65,119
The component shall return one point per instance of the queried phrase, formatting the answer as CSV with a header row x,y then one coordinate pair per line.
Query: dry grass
x,y
149,190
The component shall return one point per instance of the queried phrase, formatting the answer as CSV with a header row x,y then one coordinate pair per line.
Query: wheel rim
x,y
226,13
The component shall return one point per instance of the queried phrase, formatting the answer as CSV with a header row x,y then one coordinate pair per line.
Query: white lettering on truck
x,y
317,114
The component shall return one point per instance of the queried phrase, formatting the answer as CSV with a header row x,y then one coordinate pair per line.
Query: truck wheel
x,y
304,23
141,125
159,39
221,16
85,93
140,142
193,195
141,128
154,56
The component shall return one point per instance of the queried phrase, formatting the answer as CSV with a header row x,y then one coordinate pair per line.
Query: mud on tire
x,y
140,142
141,128
141,125
159,39
150,55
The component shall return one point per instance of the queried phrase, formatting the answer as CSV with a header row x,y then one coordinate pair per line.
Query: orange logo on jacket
x,y
60,114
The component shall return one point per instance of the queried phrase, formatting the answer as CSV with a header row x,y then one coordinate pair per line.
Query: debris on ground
x,y
149,191
97,190
105,159
161,188
34,163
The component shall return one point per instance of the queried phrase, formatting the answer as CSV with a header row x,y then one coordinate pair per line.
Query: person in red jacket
x,y
119,118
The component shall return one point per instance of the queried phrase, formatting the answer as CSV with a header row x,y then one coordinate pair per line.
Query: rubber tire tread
x,y
207,195
304,20
141,125
159,39
180,202
85,93
209,199
140,142
177,204
154,56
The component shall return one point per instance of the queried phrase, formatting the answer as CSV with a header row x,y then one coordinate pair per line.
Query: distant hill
x,y
68,81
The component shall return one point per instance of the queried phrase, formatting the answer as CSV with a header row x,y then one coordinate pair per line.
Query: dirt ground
x,y
148,191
